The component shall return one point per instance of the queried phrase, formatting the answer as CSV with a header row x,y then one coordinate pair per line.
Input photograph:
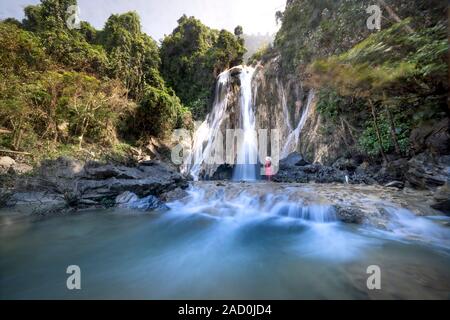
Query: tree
x,y
158,112
192,56
134,56
390,69
278,17
238,31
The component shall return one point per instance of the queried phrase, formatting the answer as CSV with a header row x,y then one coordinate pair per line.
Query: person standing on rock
x,y
268,168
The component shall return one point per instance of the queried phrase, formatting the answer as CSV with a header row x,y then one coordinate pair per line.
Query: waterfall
x,y
206,135
246,168
282,95
293,138
233,110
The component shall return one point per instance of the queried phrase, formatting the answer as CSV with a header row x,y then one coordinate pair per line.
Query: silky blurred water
x,y
279,251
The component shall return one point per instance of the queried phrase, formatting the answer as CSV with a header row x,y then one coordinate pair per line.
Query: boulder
x,y
434,137
294,159
223,172
174,195
345,164
5,164
349,214
426,171
101,184
111,171
395,184
125,198
131,201
441,199
5,195
21,168
392,171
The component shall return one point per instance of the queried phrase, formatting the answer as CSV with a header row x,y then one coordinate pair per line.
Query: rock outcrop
x,y
9,165
93,184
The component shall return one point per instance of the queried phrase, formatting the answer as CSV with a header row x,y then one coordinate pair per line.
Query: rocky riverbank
x,y
422,172
67,184
70,185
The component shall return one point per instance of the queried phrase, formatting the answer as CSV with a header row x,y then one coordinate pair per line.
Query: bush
x,y
158,112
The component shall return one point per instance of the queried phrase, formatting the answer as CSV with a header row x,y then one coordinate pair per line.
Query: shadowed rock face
x,y
280,103
96,184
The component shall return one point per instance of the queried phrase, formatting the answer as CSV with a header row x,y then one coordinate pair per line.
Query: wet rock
x,y
294,159
223,172
131,201
311,168
395,184
428,172
434,137
349,214
174,195
5,195
100,184
442,199
125,198
310,172
294,174
392,171
345,164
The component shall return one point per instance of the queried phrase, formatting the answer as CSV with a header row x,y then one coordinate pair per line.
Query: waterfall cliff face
x,y
249,99
246,168
284,102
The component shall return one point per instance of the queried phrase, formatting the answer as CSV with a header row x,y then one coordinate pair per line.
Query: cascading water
x,y
283,98
246,168
206,135
293,138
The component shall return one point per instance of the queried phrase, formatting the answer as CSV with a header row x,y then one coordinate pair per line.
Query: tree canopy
x,y
192,57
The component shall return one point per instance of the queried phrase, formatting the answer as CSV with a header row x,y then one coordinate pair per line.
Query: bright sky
x,y
160,17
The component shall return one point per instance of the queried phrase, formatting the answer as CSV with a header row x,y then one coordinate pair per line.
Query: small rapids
x,y
230,241
245,204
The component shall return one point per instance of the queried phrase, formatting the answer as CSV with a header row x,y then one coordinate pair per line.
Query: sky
x,y
159,17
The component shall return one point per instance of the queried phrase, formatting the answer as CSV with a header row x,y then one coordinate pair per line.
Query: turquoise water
x,y
178,256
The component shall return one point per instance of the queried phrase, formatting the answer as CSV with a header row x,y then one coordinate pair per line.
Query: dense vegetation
x,y
64,89
380,84
193,56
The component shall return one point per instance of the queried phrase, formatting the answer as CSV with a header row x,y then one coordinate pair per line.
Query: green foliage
x,y
238,31
388,61
158,111
20,52
314,29
48,15
133,55
328,103
399,71
259,54
73,52
368,140
192,57
62,89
